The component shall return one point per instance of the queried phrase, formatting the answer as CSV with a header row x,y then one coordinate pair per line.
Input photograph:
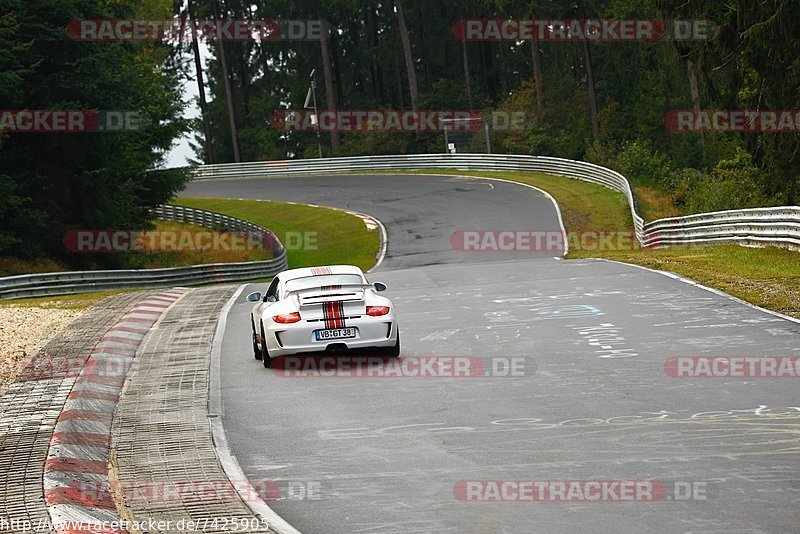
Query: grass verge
x,y
768,277
654,204
189,255
185,237
312,236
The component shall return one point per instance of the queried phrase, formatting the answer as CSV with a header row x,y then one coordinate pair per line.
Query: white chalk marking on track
x,y
694,283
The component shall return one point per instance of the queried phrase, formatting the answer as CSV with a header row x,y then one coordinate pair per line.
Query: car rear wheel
x,y
256,349
265,359
393,352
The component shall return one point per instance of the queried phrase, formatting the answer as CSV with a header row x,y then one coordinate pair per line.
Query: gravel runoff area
x,y
164,466
33,402
24,331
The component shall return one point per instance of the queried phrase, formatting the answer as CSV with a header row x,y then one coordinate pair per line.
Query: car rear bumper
x,y
283,340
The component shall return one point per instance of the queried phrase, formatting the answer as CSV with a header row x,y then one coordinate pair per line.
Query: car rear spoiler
x,y
344,292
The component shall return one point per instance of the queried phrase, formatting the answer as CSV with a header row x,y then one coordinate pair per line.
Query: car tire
x,y
256,349
393,352
265,358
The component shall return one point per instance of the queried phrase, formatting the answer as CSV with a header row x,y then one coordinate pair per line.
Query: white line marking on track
x,y
694,283
224,453
440,336
384,243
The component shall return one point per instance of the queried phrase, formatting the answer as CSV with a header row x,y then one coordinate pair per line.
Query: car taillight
x,y
287,318
377,311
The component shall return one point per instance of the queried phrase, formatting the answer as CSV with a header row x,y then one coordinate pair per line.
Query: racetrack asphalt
x,y
592,400
420,213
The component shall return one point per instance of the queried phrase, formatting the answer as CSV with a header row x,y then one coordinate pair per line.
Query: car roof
x,y
305,272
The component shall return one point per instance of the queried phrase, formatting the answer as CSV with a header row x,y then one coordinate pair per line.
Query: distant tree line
x,y
601,101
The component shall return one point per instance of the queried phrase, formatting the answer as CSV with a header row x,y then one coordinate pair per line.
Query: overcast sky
x,y
177,157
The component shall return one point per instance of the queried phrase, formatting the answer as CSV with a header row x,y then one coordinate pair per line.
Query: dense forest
x,y
604,102
55,181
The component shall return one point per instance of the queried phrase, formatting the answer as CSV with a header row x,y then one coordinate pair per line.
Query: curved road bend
x,y
420,212
595,402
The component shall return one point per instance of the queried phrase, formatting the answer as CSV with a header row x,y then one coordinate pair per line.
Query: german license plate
x,y
338,333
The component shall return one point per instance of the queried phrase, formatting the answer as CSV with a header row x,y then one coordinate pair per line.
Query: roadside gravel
x,y
24,331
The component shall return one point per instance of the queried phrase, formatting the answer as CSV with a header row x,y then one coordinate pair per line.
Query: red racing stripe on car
x,y
326,315
334,315
319,271
331,288
338,313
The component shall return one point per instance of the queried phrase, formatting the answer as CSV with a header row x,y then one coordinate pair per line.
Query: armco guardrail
x,y
777,226
212,219
758,225
52,284
474,162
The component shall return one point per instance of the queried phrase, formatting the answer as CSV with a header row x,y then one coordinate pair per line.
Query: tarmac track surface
x,y
591,402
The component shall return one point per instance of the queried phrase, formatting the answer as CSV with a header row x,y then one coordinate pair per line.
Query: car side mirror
x,y
270,299
379,286
254,297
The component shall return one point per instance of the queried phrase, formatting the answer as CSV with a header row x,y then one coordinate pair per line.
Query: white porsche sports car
x,y
322,309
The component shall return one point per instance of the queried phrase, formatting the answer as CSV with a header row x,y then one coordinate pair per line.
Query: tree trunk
x,y
245,76
373,78
198,66
592,94
465,60
376,73
330,95
501,62
693,91
695,94
413,88
264,57
265,66
398,82
489,70
337,74
426,65
228,93
538,76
